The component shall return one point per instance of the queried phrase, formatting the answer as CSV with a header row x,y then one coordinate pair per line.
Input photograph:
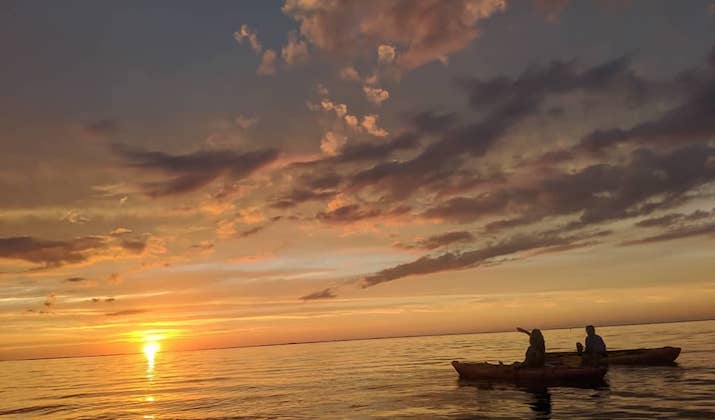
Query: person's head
x,y
590,330
536,338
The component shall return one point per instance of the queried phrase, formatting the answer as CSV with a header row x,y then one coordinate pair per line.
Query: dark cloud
x,y
127,312
109,300
74,280
136,246
469,209
690,122
559,77
432,122
673,218
599,192
676,233
504,103
370,151
192,171
440,240
355,212
51,253
323,294
300,196
470,259
252,231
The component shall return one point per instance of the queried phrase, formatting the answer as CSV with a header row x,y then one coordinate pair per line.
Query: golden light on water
x,y
150,349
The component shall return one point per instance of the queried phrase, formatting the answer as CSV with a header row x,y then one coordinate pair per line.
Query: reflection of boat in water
x,y
657,356
543,375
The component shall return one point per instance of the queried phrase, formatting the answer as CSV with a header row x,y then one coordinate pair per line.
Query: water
x,y
390,378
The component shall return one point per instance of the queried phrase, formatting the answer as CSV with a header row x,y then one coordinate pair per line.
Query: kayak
x,y
514,373
658,356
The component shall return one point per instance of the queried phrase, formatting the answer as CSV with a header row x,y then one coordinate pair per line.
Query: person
x,y
595,347
536,353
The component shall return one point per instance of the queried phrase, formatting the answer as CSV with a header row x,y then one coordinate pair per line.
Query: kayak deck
x,y
488,371
655,356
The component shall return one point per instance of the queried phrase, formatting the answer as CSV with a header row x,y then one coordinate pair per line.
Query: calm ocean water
x,y
389,378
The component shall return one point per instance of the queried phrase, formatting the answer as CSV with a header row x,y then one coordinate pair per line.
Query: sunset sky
x,y
227,173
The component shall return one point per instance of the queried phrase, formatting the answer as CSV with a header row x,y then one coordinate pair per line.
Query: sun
x,y
150,349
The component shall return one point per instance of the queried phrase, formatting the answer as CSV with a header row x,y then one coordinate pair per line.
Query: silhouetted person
x,y
537,349
595,347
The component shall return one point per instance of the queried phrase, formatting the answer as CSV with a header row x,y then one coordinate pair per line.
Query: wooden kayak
x,y
547,374
657,356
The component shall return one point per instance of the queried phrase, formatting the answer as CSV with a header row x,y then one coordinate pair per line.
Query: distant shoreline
x,y
360,339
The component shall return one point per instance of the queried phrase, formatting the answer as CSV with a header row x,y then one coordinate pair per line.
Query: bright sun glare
x,y
150,349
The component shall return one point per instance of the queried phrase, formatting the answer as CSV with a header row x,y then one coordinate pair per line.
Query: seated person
x,y
595,347
536,352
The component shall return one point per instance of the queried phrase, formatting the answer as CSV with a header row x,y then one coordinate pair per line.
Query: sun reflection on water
x,y
150,349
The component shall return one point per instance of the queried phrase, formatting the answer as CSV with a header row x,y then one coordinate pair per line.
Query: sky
x,y
226,173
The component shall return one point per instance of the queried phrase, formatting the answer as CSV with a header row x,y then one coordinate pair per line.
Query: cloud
x,y
192,171
120,231
251,231
690,122
369,123
376,95
386,54
355,152
341,110
268,64
321,90
597,193
247,34
295,51
51,253
74,280
432,122
351,120
349,74
332,143
423,30
440,240
351,213
676,233
135,245
128,312
244,121
300,195
469,209
323,294
74,217
469,259
673,218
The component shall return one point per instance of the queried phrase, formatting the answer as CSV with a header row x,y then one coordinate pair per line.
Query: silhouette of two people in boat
x,y
535,356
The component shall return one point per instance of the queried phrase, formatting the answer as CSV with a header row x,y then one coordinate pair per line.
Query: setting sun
x,y
150,349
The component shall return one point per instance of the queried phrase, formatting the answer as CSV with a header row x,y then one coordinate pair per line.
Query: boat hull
x,y
649,357
512,373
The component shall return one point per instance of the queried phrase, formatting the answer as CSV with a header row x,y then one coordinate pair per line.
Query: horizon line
x,y
625,324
